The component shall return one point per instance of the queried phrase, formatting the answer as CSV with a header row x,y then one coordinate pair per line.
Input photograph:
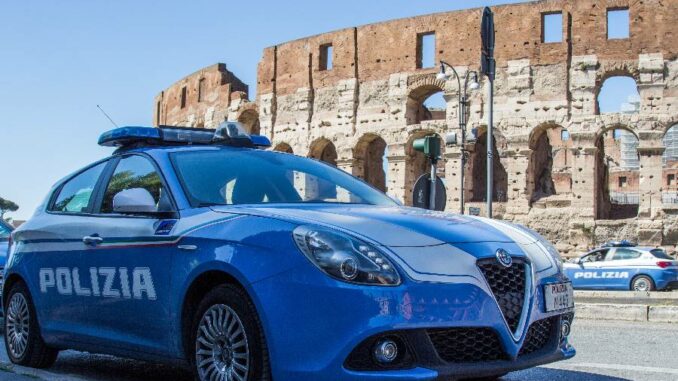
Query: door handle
x,y
92,240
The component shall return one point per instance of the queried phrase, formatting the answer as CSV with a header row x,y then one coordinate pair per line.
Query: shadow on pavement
x,y
109,368
558,375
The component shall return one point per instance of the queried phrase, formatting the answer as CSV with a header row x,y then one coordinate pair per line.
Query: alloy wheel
x,y
222,351
18,324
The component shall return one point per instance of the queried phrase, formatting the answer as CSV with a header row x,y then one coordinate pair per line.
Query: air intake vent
x,y
465,345
508,287
539,335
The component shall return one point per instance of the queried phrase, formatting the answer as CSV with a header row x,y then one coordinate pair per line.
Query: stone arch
x,y
324,150
476,170
616,68
283,147
416,163
417,93
617,173
612,69
368,160
249,117
548,170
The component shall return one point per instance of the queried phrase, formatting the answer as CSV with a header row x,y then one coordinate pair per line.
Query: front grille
x,y
508,286
538,335
459,345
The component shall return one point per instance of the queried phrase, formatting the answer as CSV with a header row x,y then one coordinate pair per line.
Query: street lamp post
x,y
463,102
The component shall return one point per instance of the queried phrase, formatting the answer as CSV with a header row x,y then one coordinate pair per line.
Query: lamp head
x,y
474,81
442,76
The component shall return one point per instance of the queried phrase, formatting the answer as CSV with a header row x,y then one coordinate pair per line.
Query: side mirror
x,y
134,200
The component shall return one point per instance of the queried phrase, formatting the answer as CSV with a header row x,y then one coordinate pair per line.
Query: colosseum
x,y
356,98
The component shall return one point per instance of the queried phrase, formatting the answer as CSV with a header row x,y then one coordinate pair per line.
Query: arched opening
x,y
416,164
617,174
548,171
618,94
476,172
323,150
670,166
426,103
369,160
250,119
283,147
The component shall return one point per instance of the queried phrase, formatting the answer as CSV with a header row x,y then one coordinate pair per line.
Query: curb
x,y
627,312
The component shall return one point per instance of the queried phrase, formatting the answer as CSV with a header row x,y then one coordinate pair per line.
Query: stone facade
x,y
553,172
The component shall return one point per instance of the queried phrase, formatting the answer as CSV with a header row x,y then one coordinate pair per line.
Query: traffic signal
x,y
429,145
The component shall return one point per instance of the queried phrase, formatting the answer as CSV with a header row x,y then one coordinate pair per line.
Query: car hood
x,y
392,226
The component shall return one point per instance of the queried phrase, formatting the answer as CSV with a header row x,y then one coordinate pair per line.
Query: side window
x,y
136,173
596,256
75,195
622,254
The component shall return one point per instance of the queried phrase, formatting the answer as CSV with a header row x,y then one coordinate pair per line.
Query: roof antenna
x,y
106,115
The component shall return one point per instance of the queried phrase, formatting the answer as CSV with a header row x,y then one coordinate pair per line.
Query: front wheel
x,y
642,283
23,342
229,340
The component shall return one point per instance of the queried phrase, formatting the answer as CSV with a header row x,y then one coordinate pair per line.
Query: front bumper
x,y
314,324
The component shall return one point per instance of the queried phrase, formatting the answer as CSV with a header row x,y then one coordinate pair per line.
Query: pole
x,y
432,193
490,161
487,65
462,127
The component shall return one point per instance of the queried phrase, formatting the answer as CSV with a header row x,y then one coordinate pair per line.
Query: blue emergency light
x,y
228,133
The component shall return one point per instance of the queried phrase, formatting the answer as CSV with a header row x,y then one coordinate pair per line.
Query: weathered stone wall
x,y
374,93
210,96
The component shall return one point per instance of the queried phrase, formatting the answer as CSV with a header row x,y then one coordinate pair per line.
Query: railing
x,y
625,198
670,197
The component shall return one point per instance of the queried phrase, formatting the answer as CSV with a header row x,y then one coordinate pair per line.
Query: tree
x,y
7,206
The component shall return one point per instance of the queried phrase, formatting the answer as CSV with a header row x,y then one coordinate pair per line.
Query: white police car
x,y
624,266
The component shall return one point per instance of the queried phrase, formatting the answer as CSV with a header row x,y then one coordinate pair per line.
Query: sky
x,y
60,59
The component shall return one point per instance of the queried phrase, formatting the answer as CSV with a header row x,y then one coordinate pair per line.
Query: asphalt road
x,y
607,351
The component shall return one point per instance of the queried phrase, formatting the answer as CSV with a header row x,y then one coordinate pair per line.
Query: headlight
x,y
545,244
344,257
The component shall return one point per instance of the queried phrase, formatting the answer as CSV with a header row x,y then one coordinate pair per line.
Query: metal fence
x,y
670,197
625,198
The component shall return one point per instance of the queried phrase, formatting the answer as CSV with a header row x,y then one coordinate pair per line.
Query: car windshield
x,y
661,254
232,177
4,232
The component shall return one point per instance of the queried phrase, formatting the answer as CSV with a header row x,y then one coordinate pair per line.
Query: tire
x,y
23,342
216,348
642,283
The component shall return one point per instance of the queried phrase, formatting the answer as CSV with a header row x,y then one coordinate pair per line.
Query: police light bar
x,y
228,133
622,243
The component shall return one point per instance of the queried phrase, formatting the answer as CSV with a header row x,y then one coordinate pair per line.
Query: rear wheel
x,y
229,341
642,283
23,342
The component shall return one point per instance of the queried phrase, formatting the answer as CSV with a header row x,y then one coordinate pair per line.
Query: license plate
x,y
559,296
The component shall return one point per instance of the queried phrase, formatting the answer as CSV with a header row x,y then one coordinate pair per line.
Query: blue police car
x,y
5,230
198,247
622,265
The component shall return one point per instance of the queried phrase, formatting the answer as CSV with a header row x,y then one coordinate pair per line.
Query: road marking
x,y
632,368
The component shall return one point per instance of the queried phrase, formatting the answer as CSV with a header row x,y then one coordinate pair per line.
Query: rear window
x,y
661,254
622,254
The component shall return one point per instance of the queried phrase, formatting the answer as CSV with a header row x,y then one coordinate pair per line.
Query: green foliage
x,y
127,180
7,206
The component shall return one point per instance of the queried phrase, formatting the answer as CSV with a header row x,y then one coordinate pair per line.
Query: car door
x,y
131,262
53,245
587,275
620,266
